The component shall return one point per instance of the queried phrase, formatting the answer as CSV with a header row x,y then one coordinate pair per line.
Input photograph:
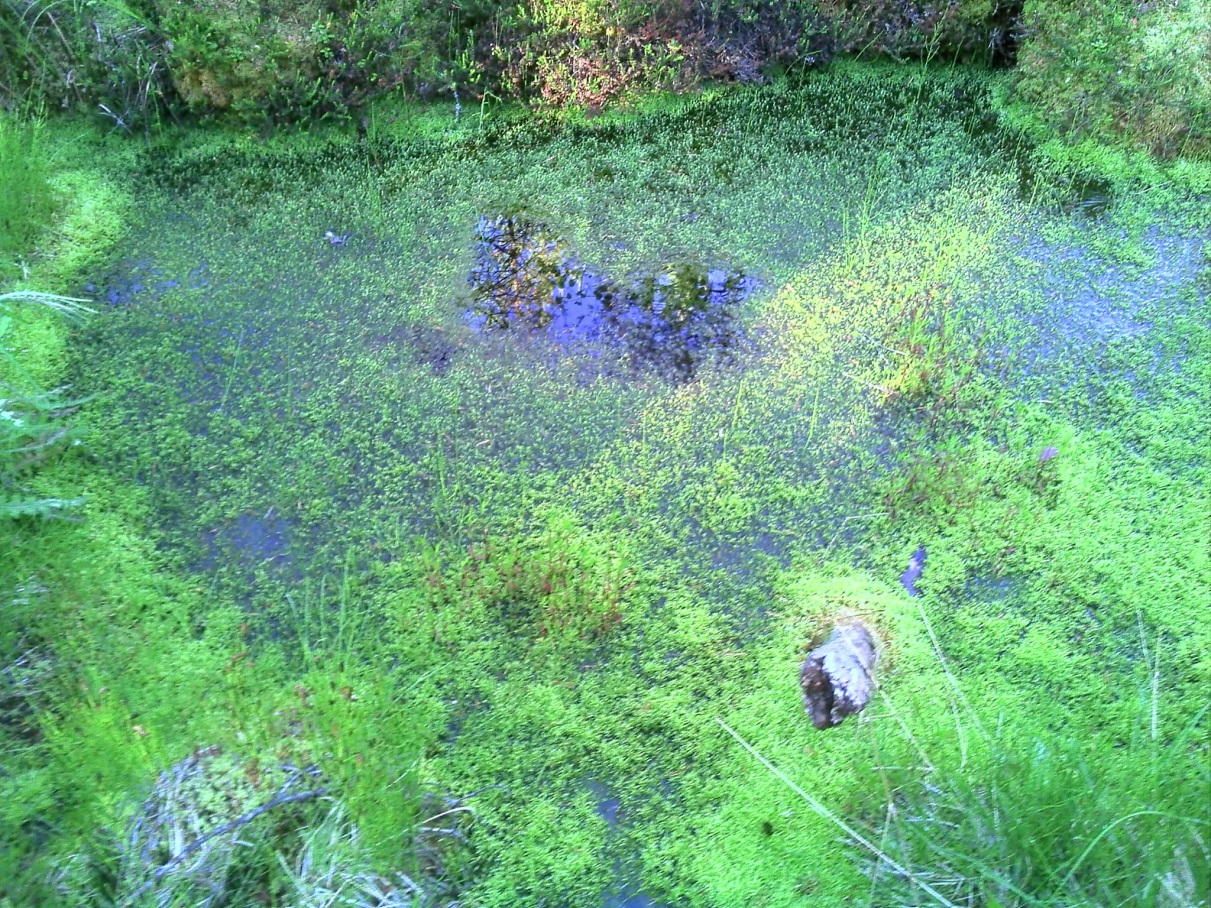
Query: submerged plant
x,y
934,364
561,583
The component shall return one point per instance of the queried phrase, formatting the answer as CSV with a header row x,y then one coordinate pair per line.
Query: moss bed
x,y
329,519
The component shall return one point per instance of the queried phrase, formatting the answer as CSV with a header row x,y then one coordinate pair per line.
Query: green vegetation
x,y
26,198
129,60
1047,825
362,603
1105,70
30,430
1118,68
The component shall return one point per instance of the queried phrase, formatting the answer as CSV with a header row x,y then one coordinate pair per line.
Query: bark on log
x,y
837,677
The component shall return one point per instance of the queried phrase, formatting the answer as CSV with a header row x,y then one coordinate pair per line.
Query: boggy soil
x,y
512,508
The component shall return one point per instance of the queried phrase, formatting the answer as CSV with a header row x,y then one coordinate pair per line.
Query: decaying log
x,y
837,677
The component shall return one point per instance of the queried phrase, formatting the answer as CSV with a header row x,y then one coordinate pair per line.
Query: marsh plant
x,y
559,583
649,554
1050,825
1010,821
31,427
933,362
26,198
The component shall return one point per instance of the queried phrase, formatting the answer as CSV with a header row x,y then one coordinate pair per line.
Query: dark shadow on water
x,y
671,322
135,280
624,891
608,806
628,898
1089,197
991,589
429,345
250,541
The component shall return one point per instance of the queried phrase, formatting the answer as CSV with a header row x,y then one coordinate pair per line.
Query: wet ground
x,y
291,389
535,304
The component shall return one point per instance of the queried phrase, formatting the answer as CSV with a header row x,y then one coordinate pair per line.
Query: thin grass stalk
x,y
953,687
833,818
69,307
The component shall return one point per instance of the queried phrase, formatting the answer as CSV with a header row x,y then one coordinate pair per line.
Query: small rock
x,y
836,677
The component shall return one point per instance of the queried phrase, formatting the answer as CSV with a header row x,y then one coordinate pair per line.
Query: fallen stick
x,y
836,677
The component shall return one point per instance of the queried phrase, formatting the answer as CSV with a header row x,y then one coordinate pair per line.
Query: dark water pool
x,y
672,322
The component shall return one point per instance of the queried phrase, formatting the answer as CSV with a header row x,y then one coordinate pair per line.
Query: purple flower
x,y
1048,452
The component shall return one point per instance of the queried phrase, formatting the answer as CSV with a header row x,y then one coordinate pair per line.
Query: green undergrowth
x,y
26,203
482,577
58,217
121,667
1119,73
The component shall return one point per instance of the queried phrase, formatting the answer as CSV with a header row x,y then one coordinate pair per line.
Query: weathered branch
x,y
836,677
282,797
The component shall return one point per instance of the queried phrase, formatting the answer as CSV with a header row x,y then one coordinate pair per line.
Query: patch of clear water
x,y
672,321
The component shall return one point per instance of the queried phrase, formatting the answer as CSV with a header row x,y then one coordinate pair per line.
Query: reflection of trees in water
x,y
671,321
521,272
675,319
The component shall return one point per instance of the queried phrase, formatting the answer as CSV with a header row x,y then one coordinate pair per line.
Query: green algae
x,y
559,576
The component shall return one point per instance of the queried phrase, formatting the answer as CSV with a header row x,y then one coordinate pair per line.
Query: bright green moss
x,y
557,580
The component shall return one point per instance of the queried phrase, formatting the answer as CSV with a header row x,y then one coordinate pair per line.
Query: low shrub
x,y
1140,72
128,60
106,56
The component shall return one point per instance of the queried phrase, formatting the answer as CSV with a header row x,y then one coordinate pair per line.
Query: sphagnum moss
x,y
278,420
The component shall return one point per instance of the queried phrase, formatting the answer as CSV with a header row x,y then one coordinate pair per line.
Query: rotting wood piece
x,y
836,677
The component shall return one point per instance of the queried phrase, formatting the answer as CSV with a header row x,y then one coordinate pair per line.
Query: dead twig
x,y
279,799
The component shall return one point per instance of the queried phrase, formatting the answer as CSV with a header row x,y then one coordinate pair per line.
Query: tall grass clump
x,y
31,429
102,56
26,198
1050,823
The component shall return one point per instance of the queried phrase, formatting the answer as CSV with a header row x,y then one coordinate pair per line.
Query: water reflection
x,y
672,321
